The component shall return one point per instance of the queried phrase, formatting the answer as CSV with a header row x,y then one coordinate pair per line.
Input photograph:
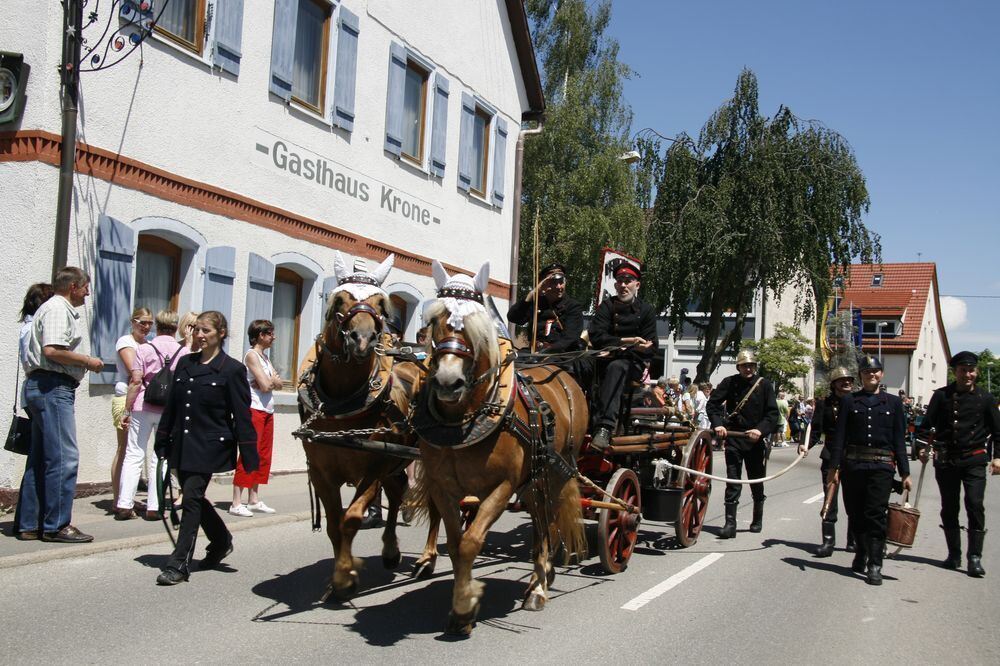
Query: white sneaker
x,y
240,510
260,507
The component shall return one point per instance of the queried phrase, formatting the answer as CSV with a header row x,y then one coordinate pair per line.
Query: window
x,y
183,22
877,280
889,329
480,150
311,43
157,272
414,104
285,310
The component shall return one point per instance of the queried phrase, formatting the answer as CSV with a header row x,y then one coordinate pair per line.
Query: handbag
x,y
19,435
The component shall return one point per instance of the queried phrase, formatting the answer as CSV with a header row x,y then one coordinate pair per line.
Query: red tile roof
x,y
903,293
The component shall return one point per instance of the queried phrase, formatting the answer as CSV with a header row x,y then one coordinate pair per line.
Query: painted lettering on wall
x,y
317,170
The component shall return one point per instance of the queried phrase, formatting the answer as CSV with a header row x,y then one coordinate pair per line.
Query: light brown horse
x,y
353,386
467,372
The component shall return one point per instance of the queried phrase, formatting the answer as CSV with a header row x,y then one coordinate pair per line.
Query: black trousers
x,y
866,500
753,456
609,395
198,512
951,479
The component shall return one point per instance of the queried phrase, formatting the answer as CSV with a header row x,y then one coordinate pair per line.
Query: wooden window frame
x,y
162,246
425,76
288,276
484,167
323,58
199,30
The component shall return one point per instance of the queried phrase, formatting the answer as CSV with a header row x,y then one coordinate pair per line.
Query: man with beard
x,y
744,402
966,425
559,317
629,324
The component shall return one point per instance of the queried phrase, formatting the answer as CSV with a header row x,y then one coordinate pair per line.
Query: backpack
x,y
158,388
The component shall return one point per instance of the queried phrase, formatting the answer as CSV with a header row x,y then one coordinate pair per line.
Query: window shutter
x,y
347,70
465,142
499,161
113,293
439,130
260,290
220,272
330,285
394,99
283,47
228,35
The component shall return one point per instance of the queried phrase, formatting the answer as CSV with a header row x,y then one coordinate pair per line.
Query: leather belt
x,y
867,454
954,455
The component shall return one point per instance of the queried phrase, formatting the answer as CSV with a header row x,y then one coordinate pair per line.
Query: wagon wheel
x,y
617,531
695,490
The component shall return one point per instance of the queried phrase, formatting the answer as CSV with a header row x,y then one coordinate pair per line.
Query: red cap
x,y
629,269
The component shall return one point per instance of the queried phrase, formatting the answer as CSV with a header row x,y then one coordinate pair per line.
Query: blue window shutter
x,y
330,285
439,129
465,142
499,161
228,35
220,272
260,290
112,293
283,47
394,99
347,70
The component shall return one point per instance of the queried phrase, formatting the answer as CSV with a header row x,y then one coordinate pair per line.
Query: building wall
x,y
929,369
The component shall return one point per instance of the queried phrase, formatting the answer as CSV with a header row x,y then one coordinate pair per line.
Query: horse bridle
x,y
456,347
359,308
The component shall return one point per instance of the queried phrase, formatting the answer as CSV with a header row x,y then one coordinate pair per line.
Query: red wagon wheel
x,y
617,531
695,489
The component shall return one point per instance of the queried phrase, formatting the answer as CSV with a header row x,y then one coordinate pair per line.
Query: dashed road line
x,y
675,580
816,498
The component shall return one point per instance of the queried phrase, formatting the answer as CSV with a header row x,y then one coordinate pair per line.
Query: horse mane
x,y
478,328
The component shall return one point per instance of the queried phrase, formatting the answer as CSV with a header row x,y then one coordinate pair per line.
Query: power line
x,y
970,296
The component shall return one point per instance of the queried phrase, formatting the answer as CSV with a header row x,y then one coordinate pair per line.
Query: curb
x,y
94,548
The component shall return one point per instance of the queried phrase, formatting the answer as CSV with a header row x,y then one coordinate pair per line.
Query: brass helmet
x,y
745,356
840,372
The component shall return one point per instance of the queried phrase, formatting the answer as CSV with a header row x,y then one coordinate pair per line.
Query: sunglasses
x,y
557,279
143,322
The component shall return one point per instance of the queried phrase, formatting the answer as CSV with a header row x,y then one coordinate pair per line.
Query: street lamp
x,y
878,329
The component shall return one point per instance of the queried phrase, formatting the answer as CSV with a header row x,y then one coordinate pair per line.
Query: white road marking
x,y
673,581
816,498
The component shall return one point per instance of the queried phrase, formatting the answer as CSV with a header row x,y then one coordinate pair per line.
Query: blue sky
x,y
914,87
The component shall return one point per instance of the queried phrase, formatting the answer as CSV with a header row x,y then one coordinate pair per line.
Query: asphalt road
x,y
760,598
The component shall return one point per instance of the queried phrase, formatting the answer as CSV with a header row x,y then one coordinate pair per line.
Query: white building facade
x,y
221,166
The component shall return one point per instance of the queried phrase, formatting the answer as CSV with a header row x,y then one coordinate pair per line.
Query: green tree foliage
x,y
783,357
754,202
573,175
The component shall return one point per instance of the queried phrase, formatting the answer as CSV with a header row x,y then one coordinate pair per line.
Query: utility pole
x,y
69,72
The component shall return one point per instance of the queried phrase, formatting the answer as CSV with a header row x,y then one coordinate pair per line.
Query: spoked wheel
x,y
695,489
617,531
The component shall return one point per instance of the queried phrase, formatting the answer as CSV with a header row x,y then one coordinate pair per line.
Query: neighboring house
x,y
222,165
901,320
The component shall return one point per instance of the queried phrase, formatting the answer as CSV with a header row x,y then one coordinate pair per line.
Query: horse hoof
x,y
391,562
534,602
347,592
423,570
550,576
460,625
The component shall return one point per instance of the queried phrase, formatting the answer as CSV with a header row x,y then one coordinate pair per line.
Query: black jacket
x,y
615,320
875,421
962,424
207,416
760,412
824,423
560,324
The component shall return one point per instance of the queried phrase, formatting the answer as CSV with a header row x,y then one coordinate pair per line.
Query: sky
x,y
914,86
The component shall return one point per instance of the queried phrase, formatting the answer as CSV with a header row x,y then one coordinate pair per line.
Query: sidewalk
x,y
287,493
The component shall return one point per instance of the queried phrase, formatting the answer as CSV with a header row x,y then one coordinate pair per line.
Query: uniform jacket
x,y
824,423
962,424
207,416
873,420
615,320
760,412
560,325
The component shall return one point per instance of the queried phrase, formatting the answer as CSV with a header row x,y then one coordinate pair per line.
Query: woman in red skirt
x,y
263,379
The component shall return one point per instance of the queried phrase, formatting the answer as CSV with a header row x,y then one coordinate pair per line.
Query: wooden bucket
x,y
902,525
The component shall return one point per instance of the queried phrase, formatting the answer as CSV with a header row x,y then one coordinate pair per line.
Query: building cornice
x,y
43,146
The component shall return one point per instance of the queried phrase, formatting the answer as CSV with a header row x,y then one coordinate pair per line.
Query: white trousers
x,y
142,425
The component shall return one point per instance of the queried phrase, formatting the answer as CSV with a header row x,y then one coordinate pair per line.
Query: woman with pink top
x,y
263,379
142,417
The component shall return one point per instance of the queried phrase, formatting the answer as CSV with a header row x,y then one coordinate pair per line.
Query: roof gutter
x,y
515,236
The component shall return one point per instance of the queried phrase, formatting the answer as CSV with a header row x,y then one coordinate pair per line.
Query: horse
x,y
474,421
347,384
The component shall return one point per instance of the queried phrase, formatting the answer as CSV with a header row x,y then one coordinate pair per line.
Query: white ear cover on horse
x,y
440,274
482,279
382,271
340,270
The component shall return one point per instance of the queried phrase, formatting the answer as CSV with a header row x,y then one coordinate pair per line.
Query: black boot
x,y
849,547
729,529
953,537
757,524
829,538
860,555
976,553
875,549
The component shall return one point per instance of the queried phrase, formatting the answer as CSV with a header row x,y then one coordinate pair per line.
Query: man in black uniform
x,y
626,322
963,418
824,425
744,402
868,445
560,317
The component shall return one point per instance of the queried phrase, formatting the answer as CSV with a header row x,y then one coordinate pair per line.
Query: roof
x,y
521,33
903,293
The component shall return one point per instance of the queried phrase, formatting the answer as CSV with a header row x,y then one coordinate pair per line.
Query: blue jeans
x,y
45,500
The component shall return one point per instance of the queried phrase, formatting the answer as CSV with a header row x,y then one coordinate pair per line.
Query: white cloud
x,y
954,313
975,341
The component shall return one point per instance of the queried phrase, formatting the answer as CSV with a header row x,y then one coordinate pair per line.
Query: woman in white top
x,y
142,323
263,379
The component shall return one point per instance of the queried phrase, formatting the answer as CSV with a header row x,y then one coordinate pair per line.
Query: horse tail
x,y
569,523
417,497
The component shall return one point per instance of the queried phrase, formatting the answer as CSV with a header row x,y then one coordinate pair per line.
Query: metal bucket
x,y
901,527
661,504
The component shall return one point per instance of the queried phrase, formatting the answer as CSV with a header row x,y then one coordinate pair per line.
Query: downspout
x,y
516,223
70,75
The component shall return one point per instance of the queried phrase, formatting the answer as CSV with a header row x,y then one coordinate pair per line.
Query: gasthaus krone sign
x,y
274,152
